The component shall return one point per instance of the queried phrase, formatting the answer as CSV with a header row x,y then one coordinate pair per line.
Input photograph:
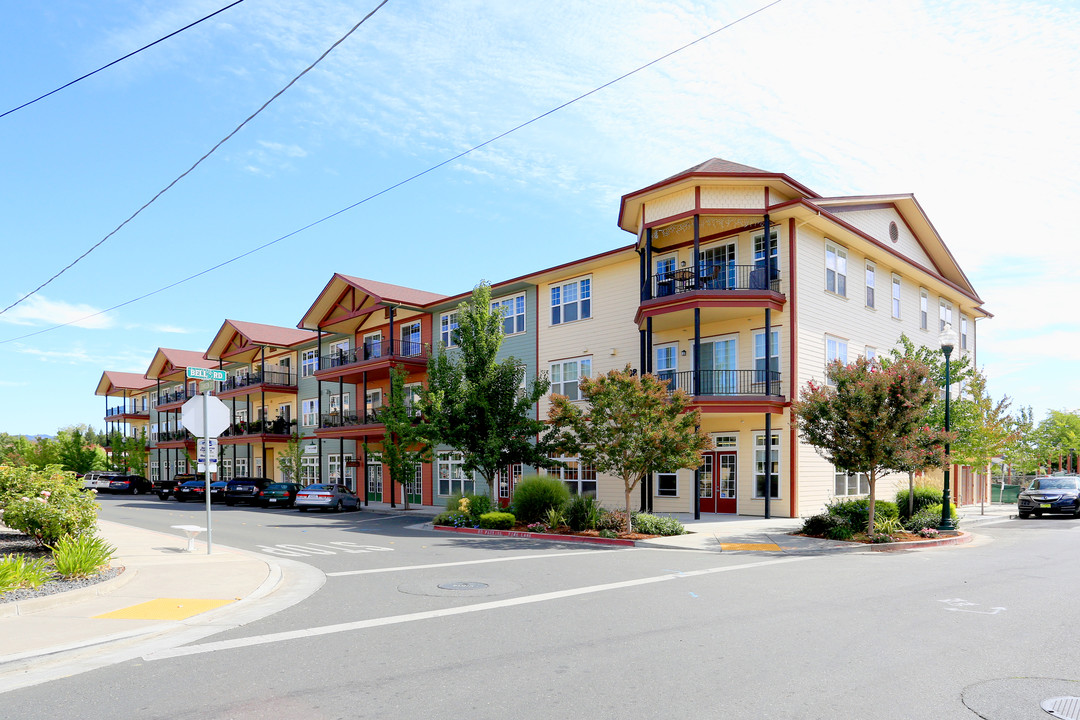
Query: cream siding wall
x,y
821,313
733,197
673,204
875,223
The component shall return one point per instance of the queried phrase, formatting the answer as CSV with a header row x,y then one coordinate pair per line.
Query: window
x,y
571,301
448,329
760,260
309,412
963,333
309,362
667,484
725,441
566,374
450,471
339,353
336,404
309,469
944,315
153,432
579,478
373,345
242,467
412,398
372,402
869,285
666,363
285,412
226,472
759,356
871,353
155,473
410,340
850,484
836,270
513,314
509,477
896,297
759,465
258,468
835,349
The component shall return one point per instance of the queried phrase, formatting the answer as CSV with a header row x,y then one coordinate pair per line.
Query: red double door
x,y
718,480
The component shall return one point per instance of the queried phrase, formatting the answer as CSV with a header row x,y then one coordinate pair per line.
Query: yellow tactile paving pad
x,y
164,609
766,547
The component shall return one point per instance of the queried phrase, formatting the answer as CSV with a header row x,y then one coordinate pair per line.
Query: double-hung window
x,y
924,309
944,315
309,469
963,333
309,412
571,301
845,484
450,471
760,466
835,349
309,362
580,478
773,365
870,273
448,325
566,374
896,297
836,269
513,314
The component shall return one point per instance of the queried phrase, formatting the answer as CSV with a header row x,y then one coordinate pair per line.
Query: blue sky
x,y
972,106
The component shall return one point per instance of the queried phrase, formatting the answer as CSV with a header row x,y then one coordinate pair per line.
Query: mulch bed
x,y
13,542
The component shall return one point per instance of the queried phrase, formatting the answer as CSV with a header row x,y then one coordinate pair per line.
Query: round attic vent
x,y
894,232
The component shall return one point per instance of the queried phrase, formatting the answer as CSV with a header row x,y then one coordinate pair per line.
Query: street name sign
x,y
194,373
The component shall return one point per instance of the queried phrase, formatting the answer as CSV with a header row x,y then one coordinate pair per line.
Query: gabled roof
x,y
346,301
170,364
714,170
115,383
239,341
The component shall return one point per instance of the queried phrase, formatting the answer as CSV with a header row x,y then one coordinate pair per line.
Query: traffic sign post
x,y
206,420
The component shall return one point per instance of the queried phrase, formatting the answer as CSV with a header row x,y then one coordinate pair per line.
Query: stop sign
x,y
216,416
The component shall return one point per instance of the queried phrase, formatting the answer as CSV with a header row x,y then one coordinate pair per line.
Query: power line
x,y
136,52
397,184
182,175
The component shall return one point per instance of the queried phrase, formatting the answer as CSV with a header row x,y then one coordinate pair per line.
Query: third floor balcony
x,y
375,357
721,290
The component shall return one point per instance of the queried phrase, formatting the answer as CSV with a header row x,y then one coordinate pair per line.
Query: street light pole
x,y
948,342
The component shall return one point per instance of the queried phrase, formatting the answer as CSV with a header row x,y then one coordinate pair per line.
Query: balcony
x,y
279,380
727,390
174,397
175,438
355,425
121,412
278,430
722,291
372,355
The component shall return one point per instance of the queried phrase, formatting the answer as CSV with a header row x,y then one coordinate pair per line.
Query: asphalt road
x,y
416,624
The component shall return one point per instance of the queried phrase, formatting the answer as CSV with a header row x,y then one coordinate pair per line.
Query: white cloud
x,y
39,310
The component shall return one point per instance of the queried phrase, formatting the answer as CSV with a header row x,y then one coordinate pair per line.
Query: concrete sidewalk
x,y
164,597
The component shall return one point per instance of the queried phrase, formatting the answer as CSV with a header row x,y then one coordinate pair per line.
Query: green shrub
x,y
614,520
887,525
81,556
16,482
819,525
453,519
857,512
654,525
497,520
582,513
930,516
555,518
480,505
923,496
535,496
840,531
57,509
609,534
17,571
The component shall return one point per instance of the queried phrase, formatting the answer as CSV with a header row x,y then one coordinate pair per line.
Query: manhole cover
x,y
1062,707
467,586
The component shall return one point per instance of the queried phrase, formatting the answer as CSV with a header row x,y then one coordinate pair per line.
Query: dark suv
x,y
164,488
245,490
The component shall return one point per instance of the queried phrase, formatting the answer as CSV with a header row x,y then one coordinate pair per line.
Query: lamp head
x,y
947,339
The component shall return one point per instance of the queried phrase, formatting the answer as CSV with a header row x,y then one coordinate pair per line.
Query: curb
x,y
47,602
958,539
537,536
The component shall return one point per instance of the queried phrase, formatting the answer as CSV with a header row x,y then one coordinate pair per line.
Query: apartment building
x,y
739,287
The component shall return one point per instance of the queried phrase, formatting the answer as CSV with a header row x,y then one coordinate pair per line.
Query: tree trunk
x,y
629,522
873,498
910,493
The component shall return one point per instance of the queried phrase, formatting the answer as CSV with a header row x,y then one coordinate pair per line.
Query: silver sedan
x,y
327,497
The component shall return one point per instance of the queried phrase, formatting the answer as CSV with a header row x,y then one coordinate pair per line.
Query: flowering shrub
x,y
928,532
536,527
454,518
50,506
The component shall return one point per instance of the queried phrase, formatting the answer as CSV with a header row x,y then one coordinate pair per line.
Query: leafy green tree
x,y
290,460
988,429
633,427
1057,436
476,404
37,453
75,453
404,445
1022,452
869,418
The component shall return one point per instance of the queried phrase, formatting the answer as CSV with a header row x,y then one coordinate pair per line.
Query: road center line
x,y
446,612
463,562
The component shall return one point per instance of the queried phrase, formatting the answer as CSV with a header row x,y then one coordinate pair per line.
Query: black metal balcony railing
x,y
166,398
259,377
125,410
280,426
347,419
373,350
174,436
714,276
722,382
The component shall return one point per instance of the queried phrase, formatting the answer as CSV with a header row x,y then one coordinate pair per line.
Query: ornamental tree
x,y
290,460
404,445
869,419
479,406
632,427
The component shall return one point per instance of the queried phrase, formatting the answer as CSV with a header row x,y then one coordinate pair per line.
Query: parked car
x,y
1053,494
217,490
167,487
191,490
98,479
130,484
326,496
245,490
279,494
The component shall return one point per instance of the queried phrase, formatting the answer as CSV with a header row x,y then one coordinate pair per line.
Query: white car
x,y
328,497
99,480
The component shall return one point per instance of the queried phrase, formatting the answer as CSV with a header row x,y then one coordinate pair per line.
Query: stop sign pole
x,y
192,413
